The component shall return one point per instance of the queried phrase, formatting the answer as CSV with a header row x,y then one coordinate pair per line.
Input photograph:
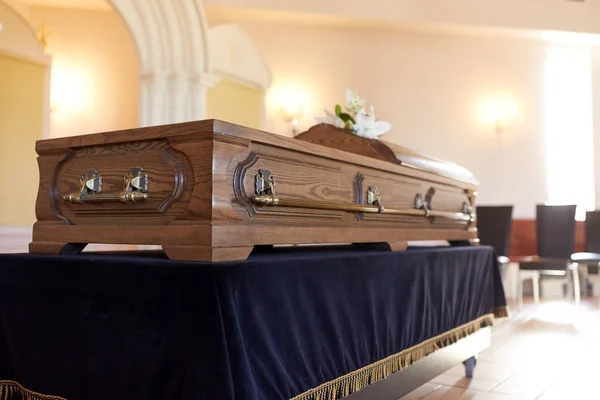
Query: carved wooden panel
x,y
305,177
399,192
169,189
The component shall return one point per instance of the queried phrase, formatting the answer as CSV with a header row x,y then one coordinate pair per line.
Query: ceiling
x,y
237,14
232,14
81,4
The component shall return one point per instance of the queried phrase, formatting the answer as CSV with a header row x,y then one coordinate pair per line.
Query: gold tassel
x,y
365,376
502,312
11,390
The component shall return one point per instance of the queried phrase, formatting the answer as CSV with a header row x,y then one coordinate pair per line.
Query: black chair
x,y
555,229
591,257
494,224
592,232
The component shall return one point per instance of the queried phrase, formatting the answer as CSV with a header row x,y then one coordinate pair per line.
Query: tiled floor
x,y
549,351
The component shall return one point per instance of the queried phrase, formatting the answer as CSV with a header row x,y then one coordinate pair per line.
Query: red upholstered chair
x,y
555,228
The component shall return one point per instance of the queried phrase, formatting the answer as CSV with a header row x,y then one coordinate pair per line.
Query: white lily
x,y
354,102
368,127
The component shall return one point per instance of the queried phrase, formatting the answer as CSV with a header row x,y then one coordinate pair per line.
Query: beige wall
x,y
21,120
95,70
429,87
23,117
236,103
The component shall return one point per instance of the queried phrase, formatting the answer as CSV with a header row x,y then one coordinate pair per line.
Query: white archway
x,y
175,65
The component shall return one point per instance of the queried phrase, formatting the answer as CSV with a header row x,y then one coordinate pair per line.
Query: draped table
x,y
283,324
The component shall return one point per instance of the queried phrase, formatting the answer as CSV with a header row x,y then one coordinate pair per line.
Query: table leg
x,y
470,366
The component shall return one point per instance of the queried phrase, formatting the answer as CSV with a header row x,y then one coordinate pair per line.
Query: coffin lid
x,y
341,139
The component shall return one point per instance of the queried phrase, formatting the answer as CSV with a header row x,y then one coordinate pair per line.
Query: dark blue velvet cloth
x,y
115,327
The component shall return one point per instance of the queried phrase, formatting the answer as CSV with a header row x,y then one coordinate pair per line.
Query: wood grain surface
x,y
201,181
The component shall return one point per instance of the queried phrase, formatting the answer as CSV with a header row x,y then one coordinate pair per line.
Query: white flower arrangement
x,y
356,119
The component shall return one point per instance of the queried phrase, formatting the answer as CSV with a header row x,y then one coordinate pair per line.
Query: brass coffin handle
x,y
265,196
424,203
135,188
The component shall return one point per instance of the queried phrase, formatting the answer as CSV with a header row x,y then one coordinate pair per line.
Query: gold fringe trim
x,y
11,390
502,312
365,376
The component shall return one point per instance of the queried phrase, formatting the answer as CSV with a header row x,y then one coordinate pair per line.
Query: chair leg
x,y
576,289
520,291
584,276
570,281
536,288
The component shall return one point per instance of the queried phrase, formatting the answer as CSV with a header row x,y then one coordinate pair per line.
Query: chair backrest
x,y
494,224
592,231
555,226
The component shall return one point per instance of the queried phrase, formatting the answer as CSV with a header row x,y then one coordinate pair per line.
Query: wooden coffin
x,y
211,191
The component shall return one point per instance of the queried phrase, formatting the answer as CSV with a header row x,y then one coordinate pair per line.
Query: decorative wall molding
x,y
175,68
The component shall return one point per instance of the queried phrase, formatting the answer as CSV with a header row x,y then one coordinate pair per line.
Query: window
x,y
569,128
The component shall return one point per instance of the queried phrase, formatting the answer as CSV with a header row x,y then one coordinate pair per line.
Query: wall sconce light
x,y
55,103
289,101
69,86
498,114
505,117
291,113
